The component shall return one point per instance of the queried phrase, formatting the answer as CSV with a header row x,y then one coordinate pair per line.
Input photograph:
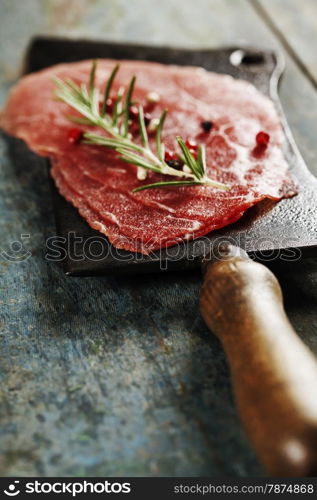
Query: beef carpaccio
x,y
96,181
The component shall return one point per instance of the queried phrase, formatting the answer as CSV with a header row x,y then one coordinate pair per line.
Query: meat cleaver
x,y
274,374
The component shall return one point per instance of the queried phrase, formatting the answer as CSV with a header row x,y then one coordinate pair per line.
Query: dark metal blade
x,y
267,230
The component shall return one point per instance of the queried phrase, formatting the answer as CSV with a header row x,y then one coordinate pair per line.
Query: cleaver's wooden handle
x,y
273,373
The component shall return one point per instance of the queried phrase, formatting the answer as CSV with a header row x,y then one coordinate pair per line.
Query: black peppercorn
x,y
207,125
177,164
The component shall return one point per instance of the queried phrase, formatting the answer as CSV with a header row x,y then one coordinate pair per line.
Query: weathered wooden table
x,y
107,376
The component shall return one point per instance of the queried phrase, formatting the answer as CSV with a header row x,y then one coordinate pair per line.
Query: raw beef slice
x,y
100,185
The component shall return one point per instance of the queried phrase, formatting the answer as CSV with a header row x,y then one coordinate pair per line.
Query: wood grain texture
x,y
296,25
120,376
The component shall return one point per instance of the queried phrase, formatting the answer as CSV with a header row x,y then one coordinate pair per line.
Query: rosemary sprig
x,y
116,123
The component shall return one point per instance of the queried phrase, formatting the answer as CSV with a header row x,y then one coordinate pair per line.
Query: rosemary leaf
x,y
114,142
101,140
95,102
127,106
159,148
92,78
117,107
130,157
202,159
85,94
144,136
189,159
166,184
74,87
108,88
210,183
79,120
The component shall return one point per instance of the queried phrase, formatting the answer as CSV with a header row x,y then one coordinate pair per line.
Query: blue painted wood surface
x,y
119,376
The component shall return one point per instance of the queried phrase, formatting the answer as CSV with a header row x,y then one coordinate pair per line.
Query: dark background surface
x,y
119,376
